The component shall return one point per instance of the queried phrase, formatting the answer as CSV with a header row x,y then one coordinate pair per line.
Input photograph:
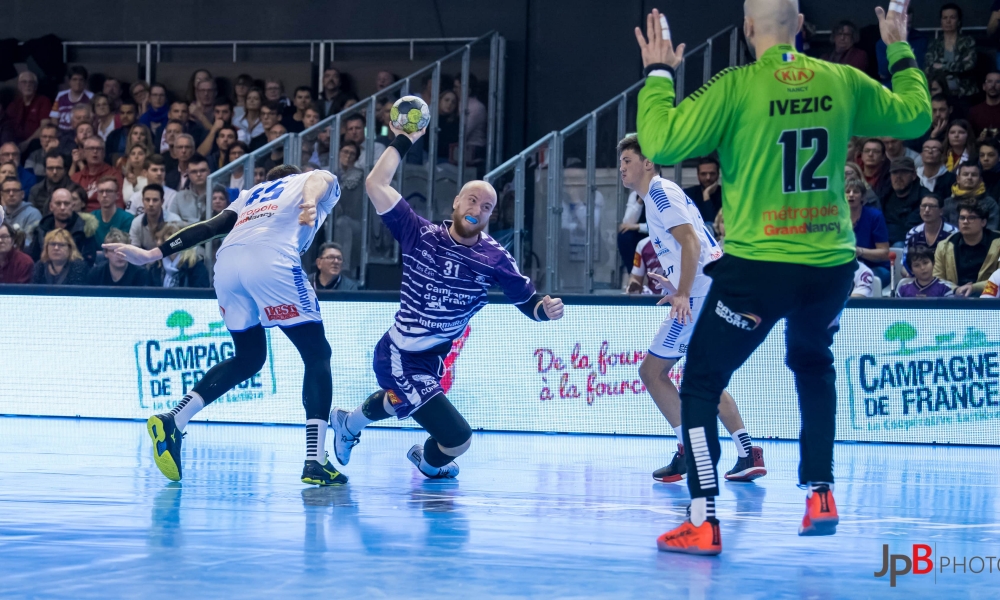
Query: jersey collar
x,y
781,52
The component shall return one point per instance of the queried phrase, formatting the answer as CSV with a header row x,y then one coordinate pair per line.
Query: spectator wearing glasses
x,y
21,215
923,284
117,271
29,110
95,170
969,257
11,154
189,204
844,37
60,262
930,232
67,100
15,266
953,54
109,216
970,186
329,267
62,216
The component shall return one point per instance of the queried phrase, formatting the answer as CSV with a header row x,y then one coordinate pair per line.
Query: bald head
x,y
771,22
481,189
473,207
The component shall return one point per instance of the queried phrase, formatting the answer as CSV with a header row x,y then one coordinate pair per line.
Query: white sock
x,y
356,421
428,469
743,442
680,434
188,407
701,509
316,440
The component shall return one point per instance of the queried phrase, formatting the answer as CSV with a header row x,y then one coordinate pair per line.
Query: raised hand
x,y
416,135
553,308
657,50
893,25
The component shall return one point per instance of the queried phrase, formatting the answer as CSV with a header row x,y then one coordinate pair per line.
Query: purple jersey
x,y
444,282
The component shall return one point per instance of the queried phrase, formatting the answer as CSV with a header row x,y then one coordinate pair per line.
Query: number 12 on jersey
x,y
791,141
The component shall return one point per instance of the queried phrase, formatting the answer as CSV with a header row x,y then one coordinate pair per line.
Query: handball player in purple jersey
x,y
447,270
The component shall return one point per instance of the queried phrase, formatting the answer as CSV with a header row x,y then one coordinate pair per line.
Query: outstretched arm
x,y
190,236
379,181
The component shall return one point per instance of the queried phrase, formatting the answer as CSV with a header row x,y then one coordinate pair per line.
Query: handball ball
x,y
410,114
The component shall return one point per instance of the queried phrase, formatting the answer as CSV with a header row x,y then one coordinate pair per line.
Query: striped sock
x,y
702,509
705,468
743,443
316,440
187,408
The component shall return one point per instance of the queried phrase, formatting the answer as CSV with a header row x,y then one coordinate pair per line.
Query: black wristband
x,y
659,67
903,64
401,144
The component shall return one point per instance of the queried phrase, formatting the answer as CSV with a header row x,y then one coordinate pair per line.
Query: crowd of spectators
x,y
932,202
104,159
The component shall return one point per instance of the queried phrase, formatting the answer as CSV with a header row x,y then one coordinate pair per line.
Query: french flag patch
x,y
787,57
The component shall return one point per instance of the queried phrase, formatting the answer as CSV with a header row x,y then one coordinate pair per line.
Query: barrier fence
x,y
561,182
907,370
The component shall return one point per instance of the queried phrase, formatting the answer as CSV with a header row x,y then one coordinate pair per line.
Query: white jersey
x,y
667,206
269,215
863,278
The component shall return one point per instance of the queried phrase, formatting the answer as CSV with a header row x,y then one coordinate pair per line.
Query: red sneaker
x,y
821,513
704,539
749,467
676,470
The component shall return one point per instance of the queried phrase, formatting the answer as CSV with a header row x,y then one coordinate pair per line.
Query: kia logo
x,y
794,75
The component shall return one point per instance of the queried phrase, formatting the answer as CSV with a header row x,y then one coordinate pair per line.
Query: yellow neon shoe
x,y
166,445
322,474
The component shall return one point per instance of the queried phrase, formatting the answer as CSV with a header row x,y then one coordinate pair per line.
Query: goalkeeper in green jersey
x,y
781,127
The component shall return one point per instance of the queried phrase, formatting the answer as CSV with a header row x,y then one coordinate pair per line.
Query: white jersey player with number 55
x,y
259,283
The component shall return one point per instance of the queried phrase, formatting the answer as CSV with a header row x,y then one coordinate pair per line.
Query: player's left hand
x,y
656,49
553,308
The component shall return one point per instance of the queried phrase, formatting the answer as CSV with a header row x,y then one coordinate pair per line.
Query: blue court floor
x,y
85,514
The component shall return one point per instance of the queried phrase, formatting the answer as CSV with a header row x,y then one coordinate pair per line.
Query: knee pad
x,y
376,407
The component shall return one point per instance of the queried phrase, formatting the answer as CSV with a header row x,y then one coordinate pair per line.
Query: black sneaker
x,y
749,467
676,470
166,445
322,474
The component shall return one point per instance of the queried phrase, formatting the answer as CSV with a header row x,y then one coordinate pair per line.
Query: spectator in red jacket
x,y
29,111
15,266
96,168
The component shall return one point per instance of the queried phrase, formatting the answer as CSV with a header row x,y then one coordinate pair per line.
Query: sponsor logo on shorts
x,y
281,312
744,321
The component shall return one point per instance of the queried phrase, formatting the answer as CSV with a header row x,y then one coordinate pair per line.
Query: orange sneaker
x,y
821,512
704,539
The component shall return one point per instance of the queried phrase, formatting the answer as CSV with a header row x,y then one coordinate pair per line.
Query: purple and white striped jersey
x,y
444,282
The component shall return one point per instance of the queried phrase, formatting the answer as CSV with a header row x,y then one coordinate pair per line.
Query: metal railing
x,y
321,52
292,142
548,153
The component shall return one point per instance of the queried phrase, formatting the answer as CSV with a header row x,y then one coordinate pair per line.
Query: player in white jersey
x,y
447,270
259,283
683,245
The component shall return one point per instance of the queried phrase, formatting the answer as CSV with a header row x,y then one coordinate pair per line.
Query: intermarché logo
x,y
924,559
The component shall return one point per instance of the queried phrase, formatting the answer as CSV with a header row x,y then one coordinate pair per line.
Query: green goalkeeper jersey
x,y
781,127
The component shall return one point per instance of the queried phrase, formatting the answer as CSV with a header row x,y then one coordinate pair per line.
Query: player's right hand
x,y
308,215
416,135
657,50
136,256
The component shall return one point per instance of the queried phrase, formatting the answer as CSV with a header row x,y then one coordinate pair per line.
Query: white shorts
x,y
671,341
256,284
